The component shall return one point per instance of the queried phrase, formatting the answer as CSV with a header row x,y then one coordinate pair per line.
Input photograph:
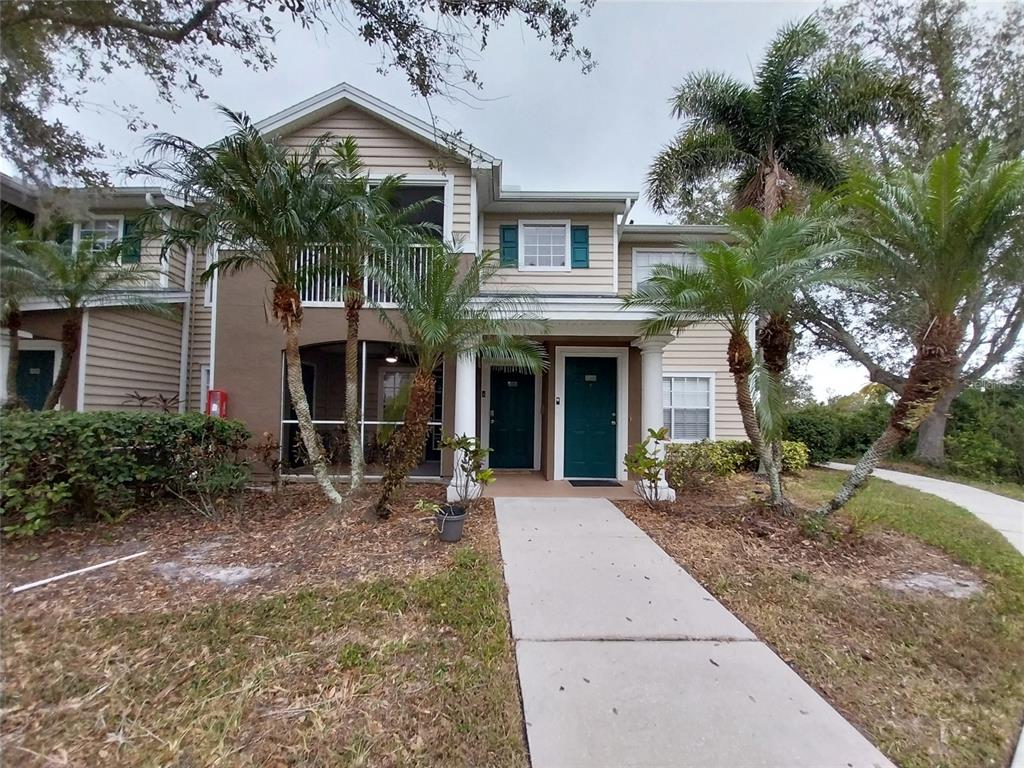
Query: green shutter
x,y
580,247
131,242
509,245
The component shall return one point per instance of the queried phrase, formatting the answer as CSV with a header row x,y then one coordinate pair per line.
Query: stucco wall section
x,y
594,280
702,349
385,150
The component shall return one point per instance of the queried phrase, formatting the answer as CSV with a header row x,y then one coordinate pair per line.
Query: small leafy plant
x,y
470,469
647,461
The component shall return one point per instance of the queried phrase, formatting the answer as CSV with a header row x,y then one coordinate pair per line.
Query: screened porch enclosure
x,y
385,376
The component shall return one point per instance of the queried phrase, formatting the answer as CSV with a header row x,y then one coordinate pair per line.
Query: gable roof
x,y
333,99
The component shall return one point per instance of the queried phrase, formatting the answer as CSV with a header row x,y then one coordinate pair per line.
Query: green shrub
x,y
817,428
690,464
58,464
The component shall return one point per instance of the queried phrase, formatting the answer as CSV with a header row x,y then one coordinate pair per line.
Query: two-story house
x,y
577,253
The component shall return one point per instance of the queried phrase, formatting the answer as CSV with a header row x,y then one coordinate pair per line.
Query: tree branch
x,y
173,34
1002,342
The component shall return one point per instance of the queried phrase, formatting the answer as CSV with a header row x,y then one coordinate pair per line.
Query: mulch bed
x,y
264,544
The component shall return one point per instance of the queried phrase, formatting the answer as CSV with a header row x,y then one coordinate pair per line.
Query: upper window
x,y
100,233
544,245
687,403
645,262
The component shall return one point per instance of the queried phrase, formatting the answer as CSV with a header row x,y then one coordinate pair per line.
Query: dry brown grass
x,y
932,680
366,644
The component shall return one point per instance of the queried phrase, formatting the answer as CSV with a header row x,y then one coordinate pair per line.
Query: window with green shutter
x,y
131,242
509,245
580,247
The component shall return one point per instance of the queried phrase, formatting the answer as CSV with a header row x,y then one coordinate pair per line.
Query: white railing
x,y
325,283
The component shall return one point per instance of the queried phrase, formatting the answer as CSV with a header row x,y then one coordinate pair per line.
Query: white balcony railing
x,y
325,283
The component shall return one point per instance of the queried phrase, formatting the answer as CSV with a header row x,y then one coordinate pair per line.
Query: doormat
x,y
595,484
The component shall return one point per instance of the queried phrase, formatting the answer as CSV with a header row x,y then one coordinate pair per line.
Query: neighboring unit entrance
x,y
35,376
512,415
590,417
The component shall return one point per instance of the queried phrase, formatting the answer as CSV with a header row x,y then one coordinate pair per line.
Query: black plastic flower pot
x,y
449,519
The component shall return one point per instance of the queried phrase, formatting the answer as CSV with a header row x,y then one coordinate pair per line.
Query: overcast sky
x,y
553,127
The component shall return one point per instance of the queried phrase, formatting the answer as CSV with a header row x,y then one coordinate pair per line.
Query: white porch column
x,y
465,421
652,408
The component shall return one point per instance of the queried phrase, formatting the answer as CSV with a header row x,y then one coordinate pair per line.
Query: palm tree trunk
x,y
775,339
931,435
70,333
741,360
13,356
353,426
932,372
310,438
407,443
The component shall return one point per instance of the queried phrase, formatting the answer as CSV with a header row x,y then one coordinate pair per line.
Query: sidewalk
x,y
625,661
1004,514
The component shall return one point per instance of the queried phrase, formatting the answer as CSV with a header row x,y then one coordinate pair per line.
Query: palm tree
x,y
367,225
935,233
266,203
17,282
440,315
76,277
758,272
774,135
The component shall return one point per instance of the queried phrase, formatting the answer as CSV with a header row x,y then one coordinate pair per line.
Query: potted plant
x,y
470,477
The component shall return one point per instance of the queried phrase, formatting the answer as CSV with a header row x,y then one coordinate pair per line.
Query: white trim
x,y
83,354
622,404
213,320
648,249
186,320
76,232
444,180
211,256
615,255
674,373
471,245
449,207
485,411
204,386
29,345
334,99
114,299
521,241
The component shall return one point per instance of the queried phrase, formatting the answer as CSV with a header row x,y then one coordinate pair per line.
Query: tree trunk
x,y
741,360
407,443
931,435
933,371
310,438
775,338
353,425
13,356
287,310
70,333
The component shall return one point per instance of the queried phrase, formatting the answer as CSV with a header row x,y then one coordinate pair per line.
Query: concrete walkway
x,y
1004,514
625,661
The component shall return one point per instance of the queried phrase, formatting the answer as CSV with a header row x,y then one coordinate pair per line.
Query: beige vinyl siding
x,y
595,279
385,149
128,350
626,256
702,348
201,324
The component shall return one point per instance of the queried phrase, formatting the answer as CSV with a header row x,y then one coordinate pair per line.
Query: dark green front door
x,y
590,417
512,419
35,376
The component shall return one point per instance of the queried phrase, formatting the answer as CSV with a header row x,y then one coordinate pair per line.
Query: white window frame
x,y
385,369
204,386
76,237
710,376
667,251
521,240
211,257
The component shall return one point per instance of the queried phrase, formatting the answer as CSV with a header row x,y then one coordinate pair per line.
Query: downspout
x,y
616,239
186,325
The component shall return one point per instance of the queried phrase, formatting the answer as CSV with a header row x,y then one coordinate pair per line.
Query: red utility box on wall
x,y
217,403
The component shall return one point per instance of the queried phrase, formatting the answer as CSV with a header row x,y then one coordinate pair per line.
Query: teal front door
x,y
590,417
512,419
35,376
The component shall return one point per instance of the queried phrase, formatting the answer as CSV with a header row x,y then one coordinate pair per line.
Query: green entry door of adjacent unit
x,y
35,376
512,419
590,417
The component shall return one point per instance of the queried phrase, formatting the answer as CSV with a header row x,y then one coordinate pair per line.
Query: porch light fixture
x,y
391,357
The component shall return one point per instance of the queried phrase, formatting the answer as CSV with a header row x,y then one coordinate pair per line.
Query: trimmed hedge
x,y
58,464
691,463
